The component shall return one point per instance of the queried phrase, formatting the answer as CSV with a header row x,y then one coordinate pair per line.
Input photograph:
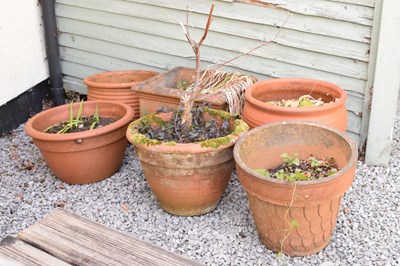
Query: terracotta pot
x,y
161,91
82,157
116,86
256,112
317,202
187,179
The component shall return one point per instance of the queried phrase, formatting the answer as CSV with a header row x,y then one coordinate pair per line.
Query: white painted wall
x,y
22,48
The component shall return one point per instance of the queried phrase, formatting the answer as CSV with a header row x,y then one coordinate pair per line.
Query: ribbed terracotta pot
x,y
116,86
316,203
256,112
187,179
82,157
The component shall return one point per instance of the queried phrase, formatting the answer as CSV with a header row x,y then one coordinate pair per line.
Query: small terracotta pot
x,y
116,86
317,202
256,112
82,157
187,179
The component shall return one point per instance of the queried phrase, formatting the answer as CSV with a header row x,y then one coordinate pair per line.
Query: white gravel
x,y
367,230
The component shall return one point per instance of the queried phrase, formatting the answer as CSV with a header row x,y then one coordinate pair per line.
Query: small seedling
x,y
76,122
95,117
294,169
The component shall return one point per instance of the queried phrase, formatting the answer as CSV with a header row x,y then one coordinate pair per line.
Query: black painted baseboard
x,y
19,109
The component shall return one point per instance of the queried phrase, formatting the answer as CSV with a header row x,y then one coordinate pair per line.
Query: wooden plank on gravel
x,y
79,241
27,254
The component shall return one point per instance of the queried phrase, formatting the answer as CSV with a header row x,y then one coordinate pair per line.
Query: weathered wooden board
x,y
370,3
386,87
209,54
257,14
277,52
328,9
122,14
27,254
74,84
80,241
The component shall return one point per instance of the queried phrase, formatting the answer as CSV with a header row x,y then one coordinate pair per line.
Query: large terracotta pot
x,y
116,86
256,112
82,157
161,91
187,179
316,203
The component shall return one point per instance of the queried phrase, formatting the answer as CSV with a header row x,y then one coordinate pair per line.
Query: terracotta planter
x,y
187,179
317,202
82,157
161,91
116,86
256,112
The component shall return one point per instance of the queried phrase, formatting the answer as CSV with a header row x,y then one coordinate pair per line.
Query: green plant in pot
x,y
187,154
82,142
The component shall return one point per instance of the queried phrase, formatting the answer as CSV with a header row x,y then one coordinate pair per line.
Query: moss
x,y
152,119
143,140
216,143
220,113
240,127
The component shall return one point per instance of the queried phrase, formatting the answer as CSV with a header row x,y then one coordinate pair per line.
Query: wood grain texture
x,y
257,14
327,9
250,13
385,88
80,241
370,3
127,14
27,254
100,21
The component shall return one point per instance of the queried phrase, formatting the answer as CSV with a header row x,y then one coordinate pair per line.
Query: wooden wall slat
x,y
338,65
260,32
256,14
370,3
328,9
210,54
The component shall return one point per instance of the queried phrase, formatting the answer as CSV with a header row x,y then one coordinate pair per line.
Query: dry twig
x,y
188,97
213,80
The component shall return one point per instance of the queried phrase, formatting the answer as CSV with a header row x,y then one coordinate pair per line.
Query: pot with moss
x,y
186,154
87,156
187,178
295,204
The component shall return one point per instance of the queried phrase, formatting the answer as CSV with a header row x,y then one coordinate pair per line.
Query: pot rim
x,y
165,147
273,108
88,81
351,163
35,134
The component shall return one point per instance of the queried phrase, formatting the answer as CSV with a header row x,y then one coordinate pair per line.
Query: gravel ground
x,y
367,230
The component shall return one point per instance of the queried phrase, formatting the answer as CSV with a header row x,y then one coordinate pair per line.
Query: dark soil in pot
x,y
170,128
86,124
295,169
